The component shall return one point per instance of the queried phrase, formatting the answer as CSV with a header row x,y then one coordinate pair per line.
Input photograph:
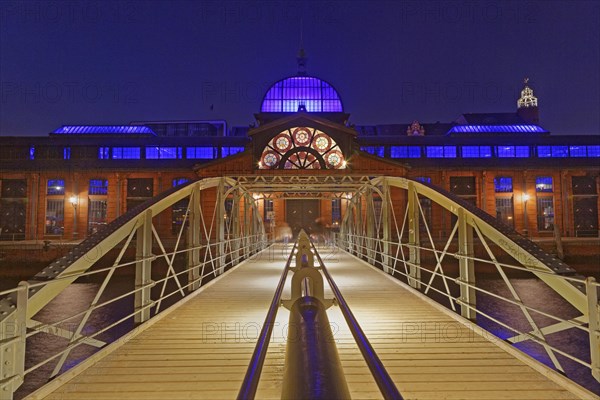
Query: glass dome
x,y
290,94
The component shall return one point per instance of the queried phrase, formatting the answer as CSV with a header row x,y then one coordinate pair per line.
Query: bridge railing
x,y
81,303
535,301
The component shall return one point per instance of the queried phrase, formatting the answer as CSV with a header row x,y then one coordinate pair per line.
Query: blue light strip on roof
x,y
104,129
497,129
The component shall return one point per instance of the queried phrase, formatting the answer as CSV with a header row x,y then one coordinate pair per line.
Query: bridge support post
x,y
414,258
194,235
466,268
385,211
13,330
143,268
594,325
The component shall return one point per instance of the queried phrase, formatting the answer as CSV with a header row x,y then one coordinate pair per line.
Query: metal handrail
x,y
382,378
567,278
531,337
44,327
252,377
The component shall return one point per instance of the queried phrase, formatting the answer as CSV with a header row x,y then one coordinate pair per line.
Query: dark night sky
x,y
392,62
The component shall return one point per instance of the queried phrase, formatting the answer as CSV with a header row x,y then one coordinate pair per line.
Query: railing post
x,y
370,221
358,239
194,234
594,325
235,229
466,268
13,335
220,225
385,211
414,270
143,269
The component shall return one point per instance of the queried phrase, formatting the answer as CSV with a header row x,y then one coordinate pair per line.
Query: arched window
x,y
302,148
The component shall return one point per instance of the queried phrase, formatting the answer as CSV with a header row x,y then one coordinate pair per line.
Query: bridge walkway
x,y
201,348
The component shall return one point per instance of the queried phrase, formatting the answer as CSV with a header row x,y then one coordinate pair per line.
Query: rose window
x,y
302,148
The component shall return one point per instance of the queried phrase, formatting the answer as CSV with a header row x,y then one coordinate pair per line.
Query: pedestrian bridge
x,y
202,317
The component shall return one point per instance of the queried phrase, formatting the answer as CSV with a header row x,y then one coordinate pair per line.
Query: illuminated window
x,y
269,213
560,151
32,153
505,210
203,152
543,184
476,151
545,213
405,152
512,151
55,207
424,179
503,184
55,216
521,151
336,212
229,151
552,151
180,181
126,153
163,153
97,215
302,148
67,153
375,150
104,153
55,187
179,209
577,151
441,151
593,151
98,187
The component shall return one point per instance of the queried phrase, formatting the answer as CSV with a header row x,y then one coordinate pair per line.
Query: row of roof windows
x,y
149,153
483,151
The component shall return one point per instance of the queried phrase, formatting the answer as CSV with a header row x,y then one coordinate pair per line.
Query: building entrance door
x,y
302,214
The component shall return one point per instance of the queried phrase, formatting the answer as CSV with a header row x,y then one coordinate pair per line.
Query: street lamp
x,y
73,200
525,198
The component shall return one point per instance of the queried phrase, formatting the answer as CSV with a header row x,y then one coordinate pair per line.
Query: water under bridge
x,y
224,310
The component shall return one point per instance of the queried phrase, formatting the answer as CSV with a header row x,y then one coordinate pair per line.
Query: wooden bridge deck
x,y
201,348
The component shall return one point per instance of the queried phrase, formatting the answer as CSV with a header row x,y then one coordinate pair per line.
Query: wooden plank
x,y
202,349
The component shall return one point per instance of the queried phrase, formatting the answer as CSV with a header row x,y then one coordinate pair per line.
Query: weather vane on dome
x,y
301,57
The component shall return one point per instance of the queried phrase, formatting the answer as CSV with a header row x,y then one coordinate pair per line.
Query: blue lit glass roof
x,y
497,129
104,129
313,93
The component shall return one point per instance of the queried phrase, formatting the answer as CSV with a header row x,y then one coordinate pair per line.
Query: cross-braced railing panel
x,y
146,269
389,224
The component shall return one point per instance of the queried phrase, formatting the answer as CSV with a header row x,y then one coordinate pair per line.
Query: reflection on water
x,y
538,295
77,297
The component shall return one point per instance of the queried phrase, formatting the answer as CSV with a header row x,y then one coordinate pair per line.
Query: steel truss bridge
x,y
177,301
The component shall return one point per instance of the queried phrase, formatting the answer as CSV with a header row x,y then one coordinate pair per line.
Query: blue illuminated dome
x,y
302,92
